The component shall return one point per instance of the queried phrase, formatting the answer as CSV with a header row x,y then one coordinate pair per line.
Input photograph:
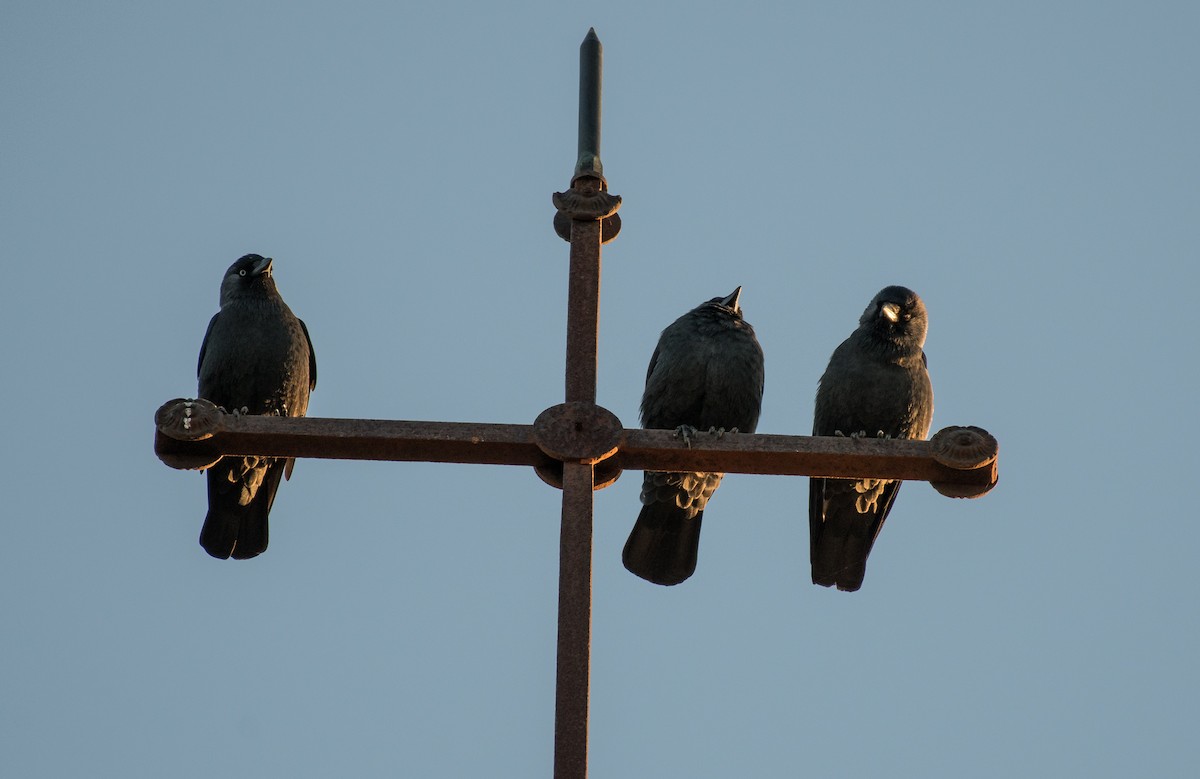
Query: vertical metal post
x,y
574,624
575,539
583,333
583,303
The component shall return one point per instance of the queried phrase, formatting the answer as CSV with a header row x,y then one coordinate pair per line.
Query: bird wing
x,y
312,356
204,343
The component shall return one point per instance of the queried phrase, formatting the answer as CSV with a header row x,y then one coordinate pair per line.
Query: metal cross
x,y
577,446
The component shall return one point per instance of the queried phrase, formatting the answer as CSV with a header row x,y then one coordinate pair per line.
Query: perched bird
x,y
876,385
256,358
706,374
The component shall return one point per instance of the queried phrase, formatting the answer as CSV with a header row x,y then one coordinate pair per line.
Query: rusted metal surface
x,y
830,457
574,624
585,205
636,449
188,420
578,432
357,439
965,448
583,306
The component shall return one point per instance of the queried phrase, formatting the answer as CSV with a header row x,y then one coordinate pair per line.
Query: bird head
x,y
730,302
250,276
897,315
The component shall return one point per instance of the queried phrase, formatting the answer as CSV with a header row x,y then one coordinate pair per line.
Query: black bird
x,y
256,358
706,373
876,385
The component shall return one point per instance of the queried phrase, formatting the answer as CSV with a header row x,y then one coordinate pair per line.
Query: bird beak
x,y
891,311
263,268
732,300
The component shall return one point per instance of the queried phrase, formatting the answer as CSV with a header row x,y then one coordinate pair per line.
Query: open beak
x,y
263,268
732,300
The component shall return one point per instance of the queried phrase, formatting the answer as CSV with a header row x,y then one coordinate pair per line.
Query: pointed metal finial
x,y
591,63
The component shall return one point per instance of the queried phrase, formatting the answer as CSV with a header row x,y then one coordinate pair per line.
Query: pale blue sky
x,y
1030,168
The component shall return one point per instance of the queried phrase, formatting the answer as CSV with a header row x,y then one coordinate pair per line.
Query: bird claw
x,y
685,432
719,432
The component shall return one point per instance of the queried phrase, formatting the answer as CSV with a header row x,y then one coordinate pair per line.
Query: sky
x,y
1029,168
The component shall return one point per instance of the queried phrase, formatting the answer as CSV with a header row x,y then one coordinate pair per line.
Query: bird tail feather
x,y
664,544
232,528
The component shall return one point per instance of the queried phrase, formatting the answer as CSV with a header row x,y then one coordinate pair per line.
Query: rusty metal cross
x,y
577,446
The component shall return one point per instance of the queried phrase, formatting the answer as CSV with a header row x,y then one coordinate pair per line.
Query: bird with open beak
x,y
706,374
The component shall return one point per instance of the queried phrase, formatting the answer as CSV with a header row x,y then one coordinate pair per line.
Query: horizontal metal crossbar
x,y
219,434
